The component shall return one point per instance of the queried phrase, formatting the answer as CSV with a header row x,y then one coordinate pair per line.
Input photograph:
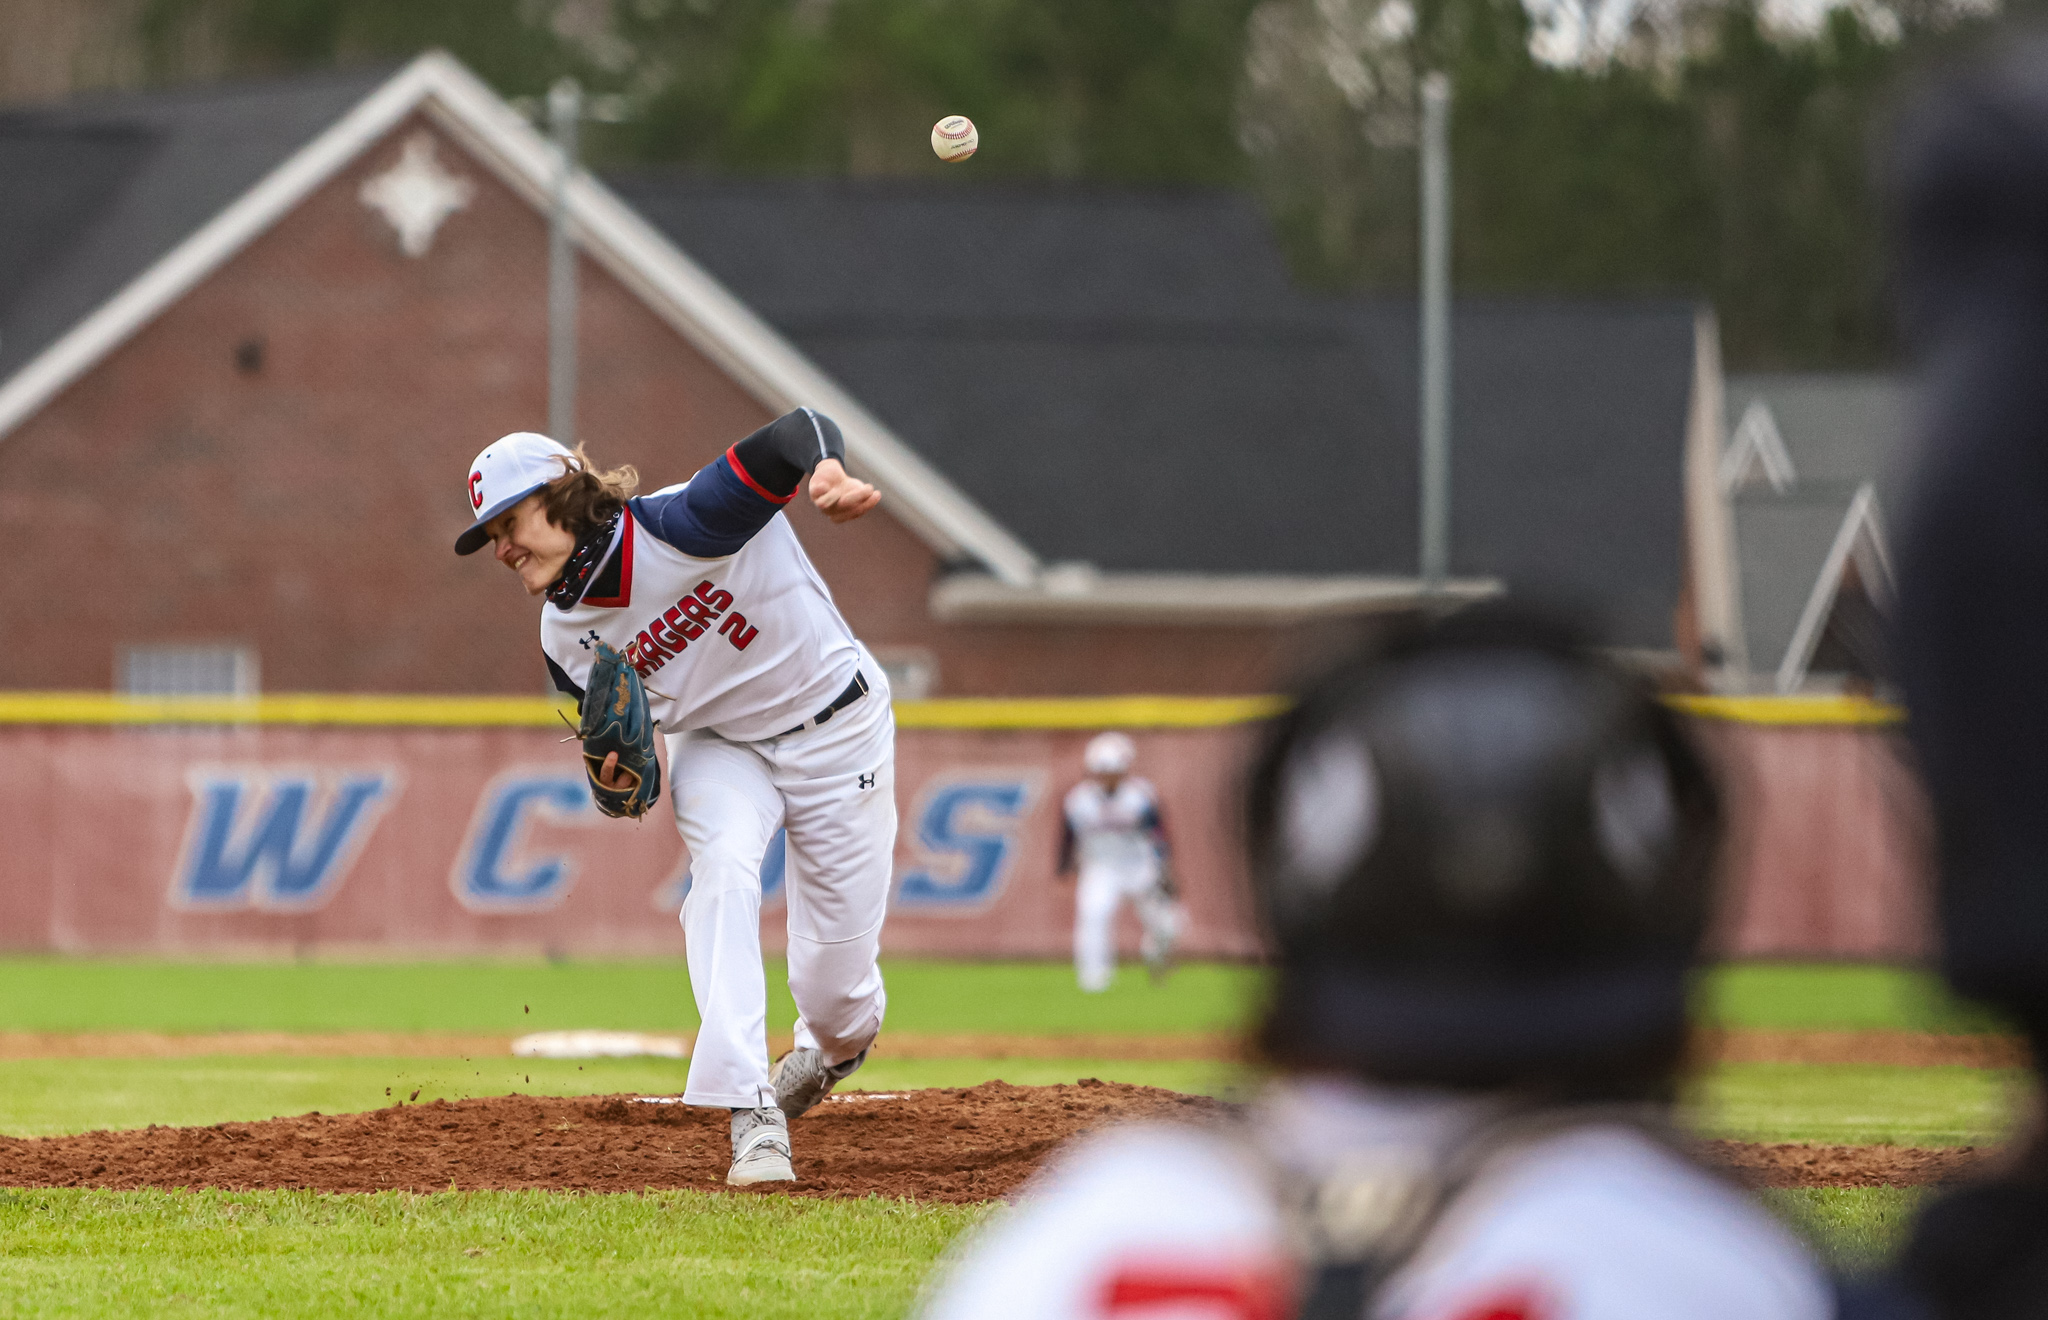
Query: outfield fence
x,y
453,826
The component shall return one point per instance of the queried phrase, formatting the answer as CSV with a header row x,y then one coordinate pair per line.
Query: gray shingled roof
x,y
1840,431
1127,377
97,189
1784,543
1840,428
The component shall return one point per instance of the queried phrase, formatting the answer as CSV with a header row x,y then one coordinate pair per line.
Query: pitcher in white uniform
x,y
775,717
1481,859
1111,827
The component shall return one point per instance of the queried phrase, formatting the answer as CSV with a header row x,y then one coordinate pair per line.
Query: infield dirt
x,y
959,1145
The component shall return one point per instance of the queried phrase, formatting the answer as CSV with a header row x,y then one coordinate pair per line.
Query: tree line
x,y
1695,148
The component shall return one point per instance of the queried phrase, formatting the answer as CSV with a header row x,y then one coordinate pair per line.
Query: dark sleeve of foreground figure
x,y
1971,637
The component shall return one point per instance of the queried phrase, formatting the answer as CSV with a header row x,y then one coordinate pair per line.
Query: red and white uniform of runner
x,y
1161,1222
1116,839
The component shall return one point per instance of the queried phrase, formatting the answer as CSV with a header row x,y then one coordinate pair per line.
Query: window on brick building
x,y
188,670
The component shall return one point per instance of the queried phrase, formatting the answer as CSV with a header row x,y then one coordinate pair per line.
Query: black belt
x,y
855,690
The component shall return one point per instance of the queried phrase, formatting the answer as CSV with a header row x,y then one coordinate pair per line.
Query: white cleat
x,y
802,1078
760,1147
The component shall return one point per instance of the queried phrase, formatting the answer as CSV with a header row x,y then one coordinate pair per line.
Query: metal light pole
x,y
1436,330
565,109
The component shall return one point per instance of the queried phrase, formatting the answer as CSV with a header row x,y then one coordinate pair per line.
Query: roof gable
x,y
1857,553
1829,446
1757,451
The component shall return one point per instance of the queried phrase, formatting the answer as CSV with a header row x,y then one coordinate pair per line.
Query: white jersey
x,y
1588,1223
1120,829
747,644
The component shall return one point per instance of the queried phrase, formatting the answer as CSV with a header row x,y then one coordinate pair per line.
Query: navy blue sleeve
x,y
734,497
563,683
710,518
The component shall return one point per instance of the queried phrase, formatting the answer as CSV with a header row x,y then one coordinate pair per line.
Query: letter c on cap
x,y
476,495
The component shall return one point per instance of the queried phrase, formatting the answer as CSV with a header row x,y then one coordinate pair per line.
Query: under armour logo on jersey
x,y
586,639
868,781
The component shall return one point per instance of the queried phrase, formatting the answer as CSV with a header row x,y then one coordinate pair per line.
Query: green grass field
x,y
487,1253
48,994
1835,997
56,994
89,1253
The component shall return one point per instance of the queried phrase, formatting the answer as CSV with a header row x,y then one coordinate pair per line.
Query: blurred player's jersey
x,y
1120,830
1587,1223
738,636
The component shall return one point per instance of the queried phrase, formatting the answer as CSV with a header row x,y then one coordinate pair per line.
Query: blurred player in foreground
x,y
776,717
1971,641
1111,826
1482,860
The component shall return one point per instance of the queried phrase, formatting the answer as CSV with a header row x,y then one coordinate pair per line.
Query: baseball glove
x,y
615,719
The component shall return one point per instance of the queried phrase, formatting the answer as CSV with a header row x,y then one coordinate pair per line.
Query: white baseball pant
x,y
1102,887
833,788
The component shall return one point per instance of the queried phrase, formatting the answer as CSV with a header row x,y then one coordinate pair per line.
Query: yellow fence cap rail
x,y
1130,712
1791,710
1139,712
289,708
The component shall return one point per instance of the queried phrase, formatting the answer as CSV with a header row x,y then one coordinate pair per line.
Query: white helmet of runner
x,y
1109,754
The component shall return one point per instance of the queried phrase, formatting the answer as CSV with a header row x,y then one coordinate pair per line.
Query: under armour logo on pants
x,y
866,781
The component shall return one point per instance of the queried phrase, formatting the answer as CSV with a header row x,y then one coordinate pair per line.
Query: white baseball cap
x,y
508,471
1109,754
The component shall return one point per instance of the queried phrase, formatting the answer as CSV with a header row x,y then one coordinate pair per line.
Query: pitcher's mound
x,y
965,1144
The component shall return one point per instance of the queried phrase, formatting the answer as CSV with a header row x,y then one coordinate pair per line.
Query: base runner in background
x,y
775,716
1112,827
1482,859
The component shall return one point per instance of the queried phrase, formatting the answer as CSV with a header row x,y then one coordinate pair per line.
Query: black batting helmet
x,y
1482,856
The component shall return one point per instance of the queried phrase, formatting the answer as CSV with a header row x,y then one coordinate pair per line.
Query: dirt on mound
x,y
962,1144
1787,1164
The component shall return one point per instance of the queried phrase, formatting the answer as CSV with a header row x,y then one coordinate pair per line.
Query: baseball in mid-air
x,y
954,139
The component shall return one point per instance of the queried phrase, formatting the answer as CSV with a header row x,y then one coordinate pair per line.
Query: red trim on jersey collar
x,y
625,596
732,456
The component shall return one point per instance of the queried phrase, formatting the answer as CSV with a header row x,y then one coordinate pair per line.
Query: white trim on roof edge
x,y
1861,535
1757,440
1079,593
1715,583
683,293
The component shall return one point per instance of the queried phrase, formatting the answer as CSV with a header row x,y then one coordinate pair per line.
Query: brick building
x,y
250,336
